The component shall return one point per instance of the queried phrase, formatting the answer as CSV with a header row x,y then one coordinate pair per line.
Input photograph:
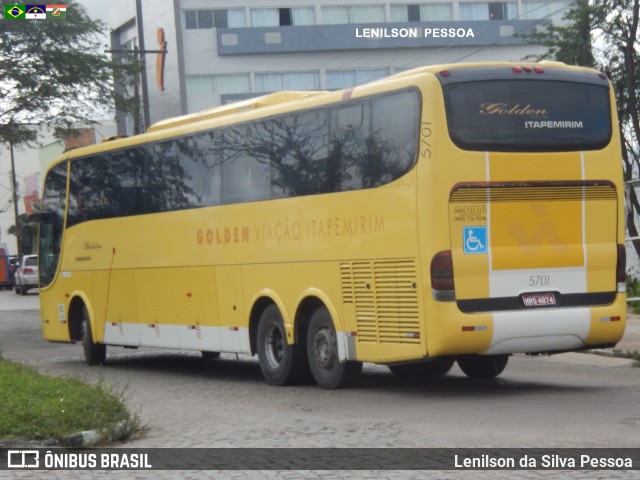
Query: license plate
x,y
538,299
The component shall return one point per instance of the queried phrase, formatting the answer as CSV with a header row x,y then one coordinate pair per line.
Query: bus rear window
x,y
528,115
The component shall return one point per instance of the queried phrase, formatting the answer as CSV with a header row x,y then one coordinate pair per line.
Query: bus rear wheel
x,y
94,353
432,368
481,366
281,363
322,352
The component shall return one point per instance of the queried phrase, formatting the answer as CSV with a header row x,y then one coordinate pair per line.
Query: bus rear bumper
x,y
538,330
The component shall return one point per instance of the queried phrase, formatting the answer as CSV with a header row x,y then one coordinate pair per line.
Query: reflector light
x,y
621,274
442,271
468,329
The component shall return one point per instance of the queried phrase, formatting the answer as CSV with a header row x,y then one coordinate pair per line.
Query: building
x,y
31,164
218,51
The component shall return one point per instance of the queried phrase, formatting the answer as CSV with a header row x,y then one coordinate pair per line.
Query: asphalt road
x,y
570,400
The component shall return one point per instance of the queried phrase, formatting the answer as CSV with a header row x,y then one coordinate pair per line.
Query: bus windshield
x,y
528,115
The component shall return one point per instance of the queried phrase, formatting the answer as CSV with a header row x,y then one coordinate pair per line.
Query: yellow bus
x,y
457,213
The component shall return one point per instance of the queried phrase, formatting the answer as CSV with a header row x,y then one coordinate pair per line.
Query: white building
x,y
223,50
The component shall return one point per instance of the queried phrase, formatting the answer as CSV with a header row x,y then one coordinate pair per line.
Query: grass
x,y
633,290
38,407
636,358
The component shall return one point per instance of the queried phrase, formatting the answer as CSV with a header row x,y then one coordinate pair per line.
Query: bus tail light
x,y
442,276
621,267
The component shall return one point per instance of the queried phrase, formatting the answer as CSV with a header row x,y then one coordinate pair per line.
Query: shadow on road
x,y
245,369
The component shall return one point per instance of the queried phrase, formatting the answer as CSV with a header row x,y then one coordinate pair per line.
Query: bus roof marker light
x,y
603,76
538,70
527,69
517,70
445,73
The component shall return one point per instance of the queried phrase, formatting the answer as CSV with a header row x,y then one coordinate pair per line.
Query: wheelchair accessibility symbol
x,y
475,239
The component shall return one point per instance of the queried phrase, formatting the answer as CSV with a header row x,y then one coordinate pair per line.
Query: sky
x,y
97,8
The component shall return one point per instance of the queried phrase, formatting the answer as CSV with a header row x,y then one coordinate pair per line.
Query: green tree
x,y
55,73
570,42
604,34
28,233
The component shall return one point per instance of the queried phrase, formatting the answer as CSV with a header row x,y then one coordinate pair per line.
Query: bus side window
x,y
351,127
350,117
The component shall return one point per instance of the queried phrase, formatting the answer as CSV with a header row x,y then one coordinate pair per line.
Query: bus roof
x,y
277,99
250,104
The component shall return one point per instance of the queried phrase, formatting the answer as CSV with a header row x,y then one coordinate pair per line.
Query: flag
x,y
14,11
56,12
35,12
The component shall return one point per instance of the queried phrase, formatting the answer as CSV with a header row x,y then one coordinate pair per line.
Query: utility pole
x,y
14,190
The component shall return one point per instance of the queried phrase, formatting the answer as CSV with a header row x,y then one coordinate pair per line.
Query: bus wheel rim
x,y
274,346
323,349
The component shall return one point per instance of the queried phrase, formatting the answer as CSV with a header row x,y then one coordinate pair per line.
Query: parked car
x,y
26,276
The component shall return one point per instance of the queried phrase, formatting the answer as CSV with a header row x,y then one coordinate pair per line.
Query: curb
x,y
90,438
612,353
85,439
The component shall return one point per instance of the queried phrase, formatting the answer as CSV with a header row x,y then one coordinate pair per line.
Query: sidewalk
x,y
631,340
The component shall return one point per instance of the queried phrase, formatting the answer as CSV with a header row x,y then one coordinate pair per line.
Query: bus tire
x,y
281,363
322,352
483,366
432,368
94,353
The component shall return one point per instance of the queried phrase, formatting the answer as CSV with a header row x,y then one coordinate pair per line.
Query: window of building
x,y
545,10
474,11
303,16
277,17
488,11
278,81
436,12
218,18
335,15
503,10
265,17
202,85
421,12
350,78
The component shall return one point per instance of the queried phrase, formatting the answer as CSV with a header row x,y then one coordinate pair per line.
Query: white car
x,y
27,274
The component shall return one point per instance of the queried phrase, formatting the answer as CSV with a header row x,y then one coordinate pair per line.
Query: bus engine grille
x,y
385,297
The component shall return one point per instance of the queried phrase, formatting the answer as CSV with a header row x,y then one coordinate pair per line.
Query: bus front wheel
x,y
94,353
281,363
480,366
322,351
